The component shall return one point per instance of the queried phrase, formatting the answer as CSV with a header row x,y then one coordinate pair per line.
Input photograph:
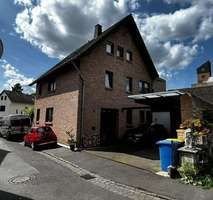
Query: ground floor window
x,y
129,117
145,116
2,108
208,115
49,115
38,115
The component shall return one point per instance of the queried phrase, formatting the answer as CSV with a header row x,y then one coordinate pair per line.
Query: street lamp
x,y
1,48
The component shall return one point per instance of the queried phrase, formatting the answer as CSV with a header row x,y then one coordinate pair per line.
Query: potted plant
x,y
71,141
195,130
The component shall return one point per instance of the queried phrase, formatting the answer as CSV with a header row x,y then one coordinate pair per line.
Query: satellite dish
x,y
1,48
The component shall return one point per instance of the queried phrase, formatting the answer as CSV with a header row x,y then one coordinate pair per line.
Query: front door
x,y
109,126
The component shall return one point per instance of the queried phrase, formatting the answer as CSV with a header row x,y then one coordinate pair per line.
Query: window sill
x,y
120,58
110,89
129,92
129,61
109,54
48,123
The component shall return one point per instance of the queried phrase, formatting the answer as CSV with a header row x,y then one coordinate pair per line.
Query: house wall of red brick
x,y
66,99
186,107
93,67
65,103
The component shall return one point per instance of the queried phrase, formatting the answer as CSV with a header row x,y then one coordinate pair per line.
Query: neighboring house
x,y
14,103
173,107
87,92
200,101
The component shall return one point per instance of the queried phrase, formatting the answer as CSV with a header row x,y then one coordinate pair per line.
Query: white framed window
x,y
52,86
128,84
129,56
109,48
108,80
120,52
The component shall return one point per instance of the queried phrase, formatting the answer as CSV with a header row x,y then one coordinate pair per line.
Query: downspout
x,y
82,101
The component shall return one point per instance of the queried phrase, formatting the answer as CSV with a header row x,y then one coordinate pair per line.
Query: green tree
x,y
17,88
30,112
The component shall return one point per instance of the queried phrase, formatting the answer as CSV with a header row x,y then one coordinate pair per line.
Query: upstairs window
x,y
2,97
51,86
108,80
49,115
39,88
129,56
2,108
128,84
110,48
144,87
37,115
5,98
120,52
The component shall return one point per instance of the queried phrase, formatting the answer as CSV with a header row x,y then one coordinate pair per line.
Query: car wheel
x,y
33,146
25,144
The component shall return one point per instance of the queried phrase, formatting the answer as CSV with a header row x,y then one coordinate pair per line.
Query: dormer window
x,y
110,48
51,86
120,52
129,56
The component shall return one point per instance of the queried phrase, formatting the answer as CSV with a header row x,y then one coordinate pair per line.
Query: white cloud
x,y
13,76
173,39
57,27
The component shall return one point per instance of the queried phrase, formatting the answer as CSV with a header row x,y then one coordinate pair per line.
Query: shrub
x,y
188,172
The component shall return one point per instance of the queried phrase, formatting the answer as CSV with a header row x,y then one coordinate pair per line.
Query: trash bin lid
x,y
164,142
175,140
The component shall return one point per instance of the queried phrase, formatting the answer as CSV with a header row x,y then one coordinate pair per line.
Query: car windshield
x,y
25,122
43,130
21,122
15,122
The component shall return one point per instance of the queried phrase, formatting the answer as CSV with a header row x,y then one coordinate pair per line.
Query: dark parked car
x,y
39,136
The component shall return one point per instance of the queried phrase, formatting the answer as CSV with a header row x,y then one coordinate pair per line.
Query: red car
x,y
39,136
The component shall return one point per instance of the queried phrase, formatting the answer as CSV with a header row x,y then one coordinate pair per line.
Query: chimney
x,y
204,72
98,30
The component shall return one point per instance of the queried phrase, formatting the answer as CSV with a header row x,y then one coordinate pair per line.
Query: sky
x,y
39,33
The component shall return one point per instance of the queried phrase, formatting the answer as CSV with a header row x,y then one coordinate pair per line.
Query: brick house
x,y
87,92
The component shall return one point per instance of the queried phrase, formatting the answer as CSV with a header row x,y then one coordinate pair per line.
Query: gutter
x,y
82,101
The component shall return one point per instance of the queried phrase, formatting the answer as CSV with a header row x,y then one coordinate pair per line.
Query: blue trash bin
x,y
168,153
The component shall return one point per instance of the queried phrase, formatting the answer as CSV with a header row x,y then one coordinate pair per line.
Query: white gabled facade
x,y
7,107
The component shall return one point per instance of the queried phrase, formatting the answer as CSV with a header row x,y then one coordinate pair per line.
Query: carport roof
x,y
154,95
